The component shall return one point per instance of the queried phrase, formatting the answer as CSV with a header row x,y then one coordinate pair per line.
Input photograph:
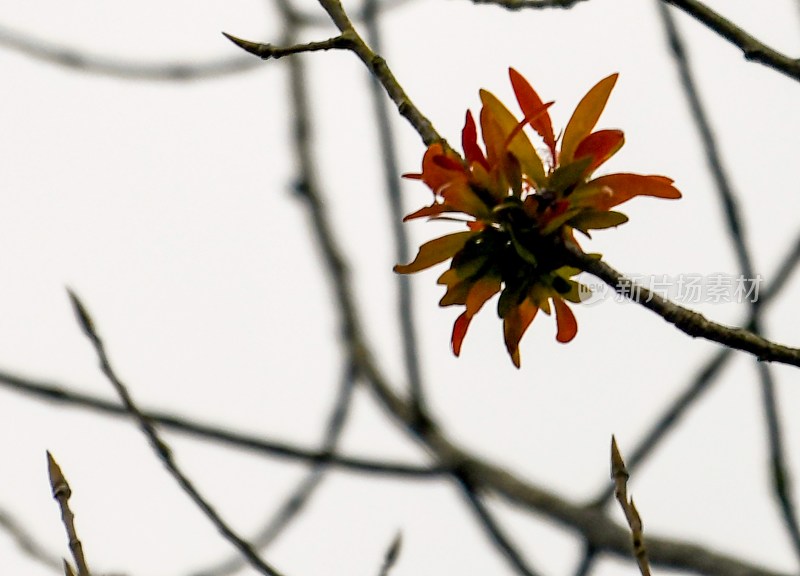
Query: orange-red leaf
x,y
460,196
614,189
459,331
435,251
432,210
515,324
469,142
440,168
565,320
531,105
601,146
585,117
483,289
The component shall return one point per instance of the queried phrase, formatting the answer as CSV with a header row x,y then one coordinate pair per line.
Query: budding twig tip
x,y
252,47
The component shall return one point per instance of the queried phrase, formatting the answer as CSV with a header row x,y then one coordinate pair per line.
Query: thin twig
x,y
351,40
535,4
58,394
27,543
692,323
619,474
704,378
493,529
380,70
391,556
126,69
669,419
272,52
62,494
405,301
118,68
752,48
300,496
588,559
592,524
161,449
778,470
712,154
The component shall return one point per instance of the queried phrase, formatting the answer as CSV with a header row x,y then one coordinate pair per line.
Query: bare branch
x,y
619,474
271,52
752,48
160,447
55,393
688,321
378,67
62,493
593,525
778,469
704,378
300,496
129,70
392,554
391,171
380,70
27,543
587,561
535,4
493,528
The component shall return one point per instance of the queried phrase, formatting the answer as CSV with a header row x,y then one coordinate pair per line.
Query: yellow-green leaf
x,y
585,117
567,175
520,145
435,251
595,220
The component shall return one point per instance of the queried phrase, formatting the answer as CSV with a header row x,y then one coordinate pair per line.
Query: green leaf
x,y
567,175
594,220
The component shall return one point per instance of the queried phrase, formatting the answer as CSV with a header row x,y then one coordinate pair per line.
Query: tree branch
x,y
536,4
58,394
62,493
594,526
118,68
752,48
493,528
26,542
704,378
351,40
300,496
272,52
161,449
688,321
778,470
619,474
391,171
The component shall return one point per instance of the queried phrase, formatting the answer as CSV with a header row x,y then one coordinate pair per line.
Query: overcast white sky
x,y
167,207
